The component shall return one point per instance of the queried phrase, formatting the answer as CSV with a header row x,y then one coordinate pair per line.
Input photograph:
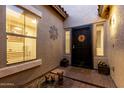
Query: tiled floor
x,y
85,77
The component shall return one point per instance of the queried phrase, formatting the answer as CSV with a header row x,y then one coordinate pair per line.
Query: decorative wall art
x,y
53,32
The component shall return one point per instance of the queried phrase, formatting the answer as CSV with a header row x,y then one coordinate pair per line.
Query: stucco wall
x,y
116,44
50,51
2,34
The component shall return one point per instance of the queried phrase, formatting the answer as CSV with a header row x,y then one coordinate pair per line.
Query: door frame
x,y
80,27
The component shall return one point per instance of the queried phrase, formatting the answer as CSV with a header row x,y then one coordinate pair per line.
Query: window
x,y
100,40
15,51
15,20
67,42
21,29
30,48
30,25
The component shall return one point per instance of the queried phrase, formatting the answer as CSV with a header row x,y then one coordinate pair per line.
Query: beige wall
x,y
50,51
116,44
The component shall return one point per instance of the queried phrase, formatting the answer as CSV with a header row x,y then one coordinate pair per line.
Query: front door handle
x,y
73,46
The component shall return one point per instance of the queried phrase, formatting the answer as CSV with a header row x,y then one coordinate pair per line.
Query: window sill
x,y
19,67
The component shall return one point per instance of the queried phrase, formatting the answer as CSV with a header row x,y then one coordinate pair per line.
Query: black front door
x,y
82,47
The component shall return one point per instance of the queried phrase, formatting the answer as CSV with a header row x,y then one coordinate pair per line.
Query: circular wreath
x,y
81,38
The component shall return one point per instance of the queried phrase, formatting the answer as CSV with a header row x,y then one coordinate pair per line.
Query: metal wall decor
x,y
53,32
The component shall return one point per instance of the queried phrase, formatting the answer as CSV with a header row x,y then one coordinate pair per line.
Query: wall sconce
x,y
113,20
113,25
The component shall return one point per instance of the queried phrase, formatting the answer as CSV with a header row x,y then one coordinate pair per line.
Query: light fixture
x,y
113,25
113,20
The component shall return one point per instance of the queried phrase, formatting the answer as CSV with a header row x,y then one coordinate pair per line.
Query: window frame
x,y
22,35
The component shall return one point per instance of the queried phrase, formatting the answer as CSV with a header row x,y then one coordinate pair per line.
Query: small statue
x,y
47,79
60,76
52,78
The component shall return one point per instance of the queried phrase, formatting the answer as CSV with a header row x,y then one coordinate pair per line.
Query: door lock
x,y
73,46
